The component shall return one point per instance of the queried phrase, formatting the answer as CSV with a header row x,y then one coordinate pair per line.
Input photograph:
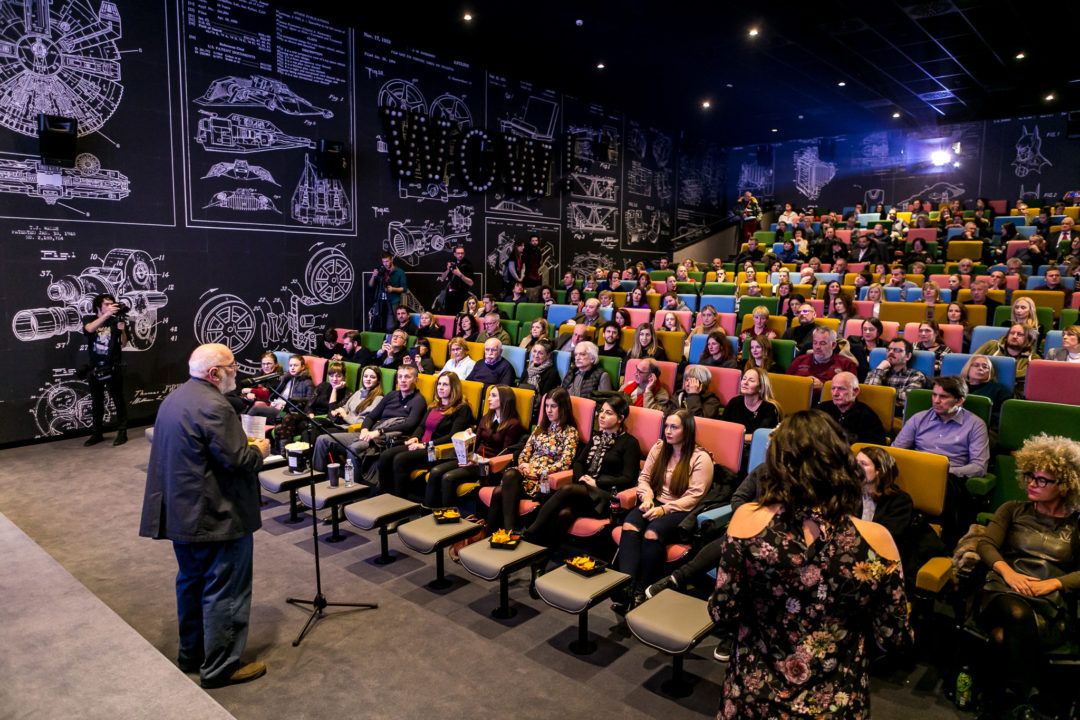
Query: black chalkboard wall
x,y
194,195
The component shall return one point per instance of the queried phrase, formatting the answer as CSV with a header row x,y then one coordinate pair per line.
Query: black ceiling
x,y
938,61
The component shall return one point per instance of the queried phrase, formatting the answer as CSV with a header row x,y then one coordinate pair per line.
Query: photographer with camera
x,y
458,283
389,284
106,333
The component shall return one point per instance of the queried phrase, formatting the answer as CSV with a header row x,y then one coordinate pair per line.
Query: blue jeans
x,y
213,605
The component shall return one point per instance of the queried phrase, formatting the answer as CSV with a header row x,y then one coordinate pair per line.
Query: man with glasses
x,y
949,430
202,493
646,390
493,329
896,371
495,369
392,352
802,332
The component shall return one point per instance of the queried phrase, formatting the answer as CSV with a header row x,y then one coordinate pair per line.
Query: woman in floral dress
x,y
804,584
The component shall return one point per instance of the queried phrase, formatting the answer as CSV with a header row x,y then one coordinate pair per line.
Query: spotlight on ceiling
x,y
800,117
579,22
896,114
841,84
753,32
729,85
1049,97
705,104
956,164
599,66
940,157
776,129
467,17
1020,56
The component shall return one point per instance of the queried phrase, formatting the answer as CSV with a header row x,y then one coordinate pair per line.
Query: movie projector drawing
x,y
409,241
225,318
128,275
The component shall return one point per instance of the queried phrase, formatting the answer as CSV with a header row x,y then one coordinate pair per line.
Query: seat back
x,y
792,392
472,390
517,357
722,303
425,383
1052,381
523,399
613,367
724,383
1004,367
645,425
723,439
953,335
919,400
372,340
584,409
562,362
1049,299
341,332
476,351
759,445
776,323
684,317
558,314
439,350
638,316
673,343
922,475
902,312
982,334
527,312
1021,419
508,308
352,375
922,360
389,379
667,373
747,305
316,367
879,398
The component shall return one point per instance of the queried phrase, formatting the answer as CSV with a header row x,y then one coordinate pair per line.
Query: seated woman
x,y
366,398
295,385
1023,312
467,328
429,327
931,338
541,376
448,413
260,394
499,430
708,322
695,395
861,346
804,586
645,344
606,465
420,356
874,294
575,297
585,375
754,407
622,318
1070,346
676,474
718,351
1032,550
547,297
671,323
833,289
956,314
760,356
538,330
636,300
550,448
759,318
331,393
842,309
458,361
981,378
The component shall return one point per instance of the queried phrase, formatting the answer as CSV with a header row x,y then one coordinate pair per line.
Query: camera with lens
x,y
122,310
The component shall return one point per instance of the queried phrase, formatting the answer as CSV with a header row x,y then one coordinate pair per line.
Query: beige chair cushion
x,y
381,509
671,622
570,592
488,563
326,496
424,535
280,479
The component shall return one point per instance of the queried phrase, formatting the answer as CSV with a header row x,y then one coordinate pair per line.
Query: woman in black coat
x,y
608,463
541,376
447,414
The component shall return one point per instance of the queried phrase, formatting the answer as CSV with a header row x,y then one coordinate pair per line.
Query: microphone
x,y
259,379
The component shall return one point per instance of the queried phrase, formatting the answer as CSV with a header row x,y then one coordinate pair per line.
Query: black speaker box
x,y
57,138
331,159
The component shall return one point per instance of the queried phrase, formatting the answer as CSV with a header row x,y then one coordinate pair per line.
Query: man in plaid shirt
x,y
896,371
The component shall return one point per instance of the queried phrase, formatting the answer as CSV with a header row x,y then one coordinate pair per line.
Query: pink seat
x,y
889,328
341,333
317,367
724,440
953,335
942,281
927,234
727,322
724,383
524,506
818,305
684,316
583,408
667,373
844,235
1012,282
998,206
446,322
857,267
674,552
1015,247
1052,381
639,315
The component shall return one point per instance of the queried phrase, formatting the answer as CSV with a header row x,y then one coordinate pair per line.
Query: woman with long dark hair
x,y
675,477
804,585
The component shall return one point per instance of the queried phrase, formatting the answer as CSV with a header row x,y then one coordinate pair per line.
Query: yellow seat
x,y
766,289
439,351
902,312
880,398
776,323
1043,298
672,342
476,351
792,392
959,249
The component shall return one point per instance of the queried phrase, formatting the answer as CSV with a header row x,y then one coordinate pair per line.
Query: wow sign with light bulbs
x,y
425,149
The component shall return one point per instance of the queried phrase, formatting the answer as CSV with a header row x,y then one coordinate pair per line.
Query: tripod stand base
x,y
318,604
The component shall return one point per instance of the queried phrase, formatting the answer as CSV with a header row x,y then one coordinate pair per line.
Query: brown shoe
x,y
246,673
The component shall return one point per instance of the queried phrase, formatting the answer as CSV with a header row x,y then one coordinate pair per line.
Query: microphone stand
x,y
318,603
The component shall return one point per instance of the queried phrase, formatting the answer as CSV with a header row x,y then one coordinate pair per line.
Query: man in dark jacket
x,y
202,493
495,369
860,423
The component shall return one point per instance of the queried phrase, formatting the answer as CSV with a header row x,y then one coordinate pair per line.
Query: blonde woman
x,y
458,360
759,318
874,295
709,322
931,296
538,330
1024,313
755,406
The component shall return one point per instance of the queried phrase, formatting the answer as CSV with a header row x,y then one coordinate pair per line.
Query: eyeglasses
x,y
1038,481
231,366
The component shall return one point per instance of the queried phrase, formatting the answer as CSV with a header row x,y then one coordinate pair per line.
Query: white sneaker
x,y
722,653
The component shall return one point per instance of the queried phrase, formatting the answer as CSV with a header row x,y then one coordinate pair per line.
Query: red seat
x,y
317,367
639,315
1015,247
927,234
1053,381
684,317
524,506
583,408
725,383
446,322
954,335
723,439
341,333
853,327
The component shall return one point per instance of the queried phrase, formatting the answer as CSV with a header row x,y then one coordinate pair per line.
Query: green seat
x,y
919,400
935,268
783,352
766,237
729,267
527,312
747,305
1021,419
389,377
657,275
511,327
352,376
1068,317
612,366
931,247
715,288
1044,314
507,307
688,288
373,341
698,277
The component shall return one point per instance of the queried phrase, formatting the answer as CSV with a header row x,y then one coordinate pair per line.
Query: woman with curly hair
x,y
1032,550
804,584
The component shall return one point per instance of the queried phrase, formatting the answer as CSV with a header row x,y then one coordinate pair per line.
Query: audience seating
x,y
922,360
1004,367
674,624
879,398
953,334
982,334
668,371
684,317
724,383
490,563
759,445
1052,381
792,392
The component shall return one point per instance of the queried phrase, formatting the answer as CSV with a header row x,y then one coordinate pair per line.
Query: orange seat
x,y
723,439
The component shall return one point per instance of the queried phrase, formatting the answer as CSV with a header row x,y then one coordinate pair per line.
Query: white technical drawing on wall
x,y
240,169
594,145
1029,158
131,276
592,217
585,264
25,175
811,172
258,91
320,201
243,200
282,320
532,117
59,58
409,241
646,225
936,193
758,179
238,133
64,407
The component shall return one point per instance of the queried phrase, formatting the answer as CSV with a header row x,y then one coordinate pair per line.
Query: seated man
x,y
329,348
391,353
802,332
979,288
823,362
585,375
488,306
610,345
1019,343
352,351
493,329
404,322
671,301
948,429
752,253
898,279
646,390
568,341
860,423
400,411
896,371
590,315
1053,283
495,369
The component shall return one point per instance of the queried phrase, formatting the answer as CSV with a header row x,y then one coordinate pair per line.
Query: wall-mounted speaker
x,y
57,138
764,155
331,159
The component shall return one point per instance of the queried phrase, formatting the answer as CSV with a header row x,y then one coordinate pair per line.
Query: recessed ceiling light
x,y
729,85
896,114
467,17
705,104
776,130
579,22
800,117
841,83
599,66
1049,97
1020,56
753,32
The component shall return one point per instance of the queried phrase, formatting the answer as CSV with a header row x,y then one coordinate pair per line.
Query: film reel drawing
x,y
65,407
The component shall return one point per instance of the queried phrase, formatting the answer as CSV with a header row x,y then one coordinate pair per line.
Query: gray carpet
x,y
421,654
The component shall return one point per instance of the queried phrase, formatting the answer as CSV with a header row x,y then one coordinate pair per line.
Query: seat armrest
x,y
356,427
500,463
981,485
628,498
558,479
715,515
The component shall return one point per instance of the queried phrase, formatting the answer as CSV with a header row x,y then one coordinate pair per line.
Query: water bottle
x,y
349,472
963,688
430,451
545,487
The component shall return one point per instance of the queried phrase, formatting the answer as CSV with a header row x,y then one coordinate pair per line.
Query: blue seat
x,y
824,277
1053,340
607,313
1044,268
690,300
627,285
892,294
1026,231
722,303
558,314
697,346
923,360
562,362
1016,220
778,247
517,357
982,333
869,219
1004,367
759,443
952,232
1037,281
